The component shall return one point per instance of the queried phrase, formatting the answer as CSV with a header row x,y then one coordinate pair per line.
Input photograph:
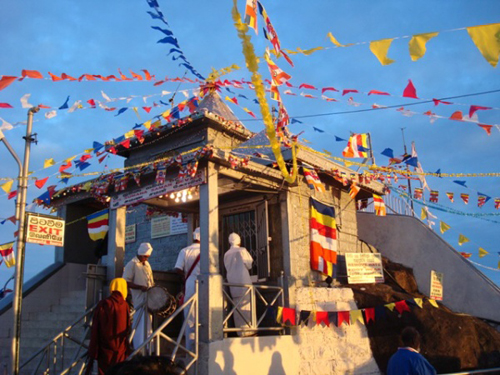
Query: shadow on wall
x,y
276,365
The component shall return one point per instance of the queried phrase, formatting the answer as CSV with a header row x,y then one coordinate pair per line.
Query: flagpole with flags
x,y
371,148
408,175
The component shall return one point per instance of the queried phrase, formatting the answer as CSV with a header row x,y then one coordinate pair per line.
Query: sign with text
x,y
364,268
130,233
153,191
164,226
44,229
436,286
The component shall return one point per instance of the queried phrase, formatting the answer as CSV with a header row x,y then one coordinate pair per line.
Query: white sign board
x,y
364,268
153,191
44,229
130,233
164,226
436,292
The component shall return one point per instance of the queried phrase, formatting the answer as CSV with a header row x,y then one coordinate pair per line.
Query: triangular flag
x,y
417,45
462,239
380,48
343,316
369,314
356,315
443,227
423,214
7,186
48,163
335,41
410,91
390,306
401,306
322,317
433,303
482,252
486,39
419,302
39,183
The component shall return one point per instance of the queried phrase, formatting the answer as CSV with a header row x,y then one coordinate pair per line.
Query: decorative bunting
x,y
7,186
40,183
356,315
343,316
410,91
369,314
465,197
434,196
417,45
450,196
419,302
357,146
401,306
354,190
251,15
443,227
322,317
462,239
482,252
433,303
313,180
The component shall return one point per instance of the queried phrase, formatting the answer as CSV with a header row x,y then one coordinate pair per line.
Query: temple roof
x,y
212,102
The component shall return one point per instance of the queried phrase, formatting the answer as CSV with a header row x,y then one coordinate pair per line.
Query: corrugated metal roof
x,y
212,102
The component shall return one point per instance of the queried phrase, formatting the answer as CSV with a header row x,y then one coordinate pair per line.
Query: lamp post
x,y
22,188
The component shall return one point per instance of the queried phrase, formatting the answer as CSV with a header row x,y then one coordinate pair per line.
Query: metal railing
x,y
51,357
394,205
257,294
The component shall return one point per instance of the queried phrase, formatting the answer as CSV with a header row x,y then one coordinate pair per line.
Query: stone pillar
x,y
116,242
210,281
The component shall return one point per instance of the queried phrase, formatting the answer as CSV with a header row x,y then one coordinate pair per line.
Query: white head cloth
x,y
234,239
145,248
196,234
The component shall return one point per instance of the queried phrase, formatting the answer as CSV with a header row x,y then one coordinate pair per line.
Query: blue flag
x,y
460,182
65,105
388,152
318,130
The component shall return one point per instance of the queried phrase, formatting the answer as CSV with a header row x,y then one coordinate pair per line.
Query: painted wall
x,y
405,240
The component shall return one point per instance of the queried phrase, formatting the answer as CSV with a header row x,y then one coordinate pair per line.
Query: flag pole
x,y
371,148
408,175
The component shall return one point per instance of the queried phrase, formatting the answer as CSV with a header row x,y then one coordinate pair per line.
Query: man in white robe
x,y
139,277
238,261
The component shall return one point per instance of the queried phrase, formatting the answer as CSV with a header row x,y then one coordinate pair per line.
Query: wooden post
x,y
116,242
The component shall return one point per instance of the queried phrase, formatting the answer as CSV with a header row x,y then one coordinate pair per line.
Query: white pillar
x,y
116,242
210,281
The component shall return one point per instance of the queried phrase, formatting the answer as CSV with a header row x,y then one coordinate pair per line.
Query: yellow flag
x,y
305,140
87,186
327,152
433,303
380,49
419,302
482,252
356,315
137,113
334,41
307,52
48,163
89,150
417,45
129,134
487,40
443,227
423,214
279,314
7,186
348,163
156,124
69,159
498,265
147,124
390,306
462,239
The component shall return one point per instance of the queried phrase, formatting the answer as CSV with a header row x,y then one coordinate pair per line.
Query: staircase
x,y
41,326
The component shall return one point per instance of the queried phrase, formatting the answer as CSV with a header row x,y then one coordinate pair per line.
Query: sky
x,y
96,37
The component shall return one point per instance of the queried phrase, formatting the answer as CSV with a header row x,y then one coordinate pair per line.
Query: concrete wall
x,y
405,240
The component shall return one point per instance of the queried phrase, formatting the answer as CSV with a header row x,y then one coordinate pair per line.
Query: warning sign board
x,y
44,229
364,268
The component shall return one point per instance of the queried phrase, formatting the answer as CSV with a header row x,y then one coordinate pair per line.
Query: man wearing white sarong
x,y
238,261
188,264
139,278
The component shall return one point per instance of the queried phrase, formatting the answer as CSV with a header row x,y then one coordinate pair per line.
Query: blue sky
x,y
98,37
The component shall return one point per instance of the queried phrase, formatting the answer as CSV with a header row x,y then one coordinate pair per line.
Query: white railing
x,y
257,294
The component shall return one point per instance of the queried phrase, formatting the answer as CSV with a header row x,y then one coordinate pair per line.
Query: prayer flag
x,y
443,227
497,203
434,196
323,238
7,252
357,146
417,45
450,196
379,205
380,48
98,224
418,192
251,15
486,39
313,180
482,252
278,76
354,190
465,197
462,239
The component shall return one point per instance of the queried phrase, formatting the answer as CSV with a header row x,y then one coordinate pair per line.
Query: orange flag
x,y
31,74
6,81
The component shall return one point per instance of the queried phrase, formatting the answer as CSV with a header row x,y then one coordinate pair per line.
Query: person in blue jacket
x,y
407,360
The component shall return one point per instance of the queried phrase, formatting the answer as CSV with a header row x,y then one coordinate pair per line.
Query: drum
x,y
160,301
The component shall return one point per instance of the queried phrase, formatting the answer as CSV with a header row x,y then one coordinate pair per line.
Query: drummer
x,y
139,277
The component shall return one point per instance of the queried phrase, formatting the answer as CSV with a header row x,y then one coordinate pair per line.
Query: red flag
x,y
147,109
44,106
69,78
306,86
31,74
289,316
376,92
401,306
474,108
148,76
347,91
343,316
466,255
91,102
123,77
63,167
328,89
102,158
410,91
369,314
437,101
487,128
457,115
125,143
6,81
12,194
136,76
54,77
85,157
322,317
39,183
5,105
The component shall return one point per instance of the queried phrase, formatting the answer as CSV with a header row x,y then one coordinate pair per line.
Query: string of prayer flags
x,y
323,245
98,224
462,239
7,253
357,146
313,180
379,205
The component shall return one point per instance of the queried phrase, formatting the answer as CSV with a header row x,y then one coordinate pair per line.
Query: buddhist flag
x,y
481,200
434,196
417,45
354,190
7,253
465,197
98,224
313,180
482,252
379,205
323,238
450,196
486,39
462,239
418,192
497,203
357,146
443,227
380,48
251,15
279,76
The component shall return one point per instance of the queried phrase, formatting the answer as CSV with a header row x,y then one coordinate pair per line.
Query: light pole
x,y
22,188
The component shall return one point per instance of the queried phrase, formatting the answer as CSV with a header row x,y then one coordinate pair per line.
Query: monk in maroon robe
x,y
110,329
